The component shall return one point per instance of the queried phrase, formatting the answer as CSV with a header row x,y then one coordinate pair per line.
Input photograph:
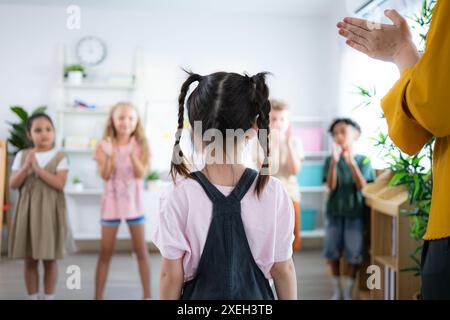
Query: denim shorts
x,y
116,222
343,233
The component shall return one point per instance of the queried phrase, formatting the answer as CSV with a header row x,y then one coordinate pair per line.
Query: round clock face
x,y
91,51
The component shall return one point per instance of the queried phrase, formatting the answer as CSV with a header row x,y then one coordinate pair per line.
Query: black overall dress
x,y
227,269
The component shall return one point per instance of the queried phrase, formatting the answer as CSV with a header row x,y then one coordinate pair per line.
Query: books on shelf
x,y
389,283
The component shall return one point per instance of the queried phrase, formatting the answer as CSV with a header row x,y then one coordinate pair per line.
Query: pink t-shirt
x,y
185,215
122,196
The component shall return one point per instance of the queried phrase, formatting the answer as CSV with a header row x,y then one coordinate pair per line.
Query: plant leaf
x,y
20,112
40,109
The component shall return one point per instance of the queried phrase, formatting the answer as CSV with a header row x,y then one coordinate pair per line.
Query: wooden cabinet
x,y
3,186
391,243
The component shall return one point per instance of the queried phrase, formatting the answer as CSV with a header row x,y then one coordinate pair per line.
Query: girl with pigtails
x,y
225,231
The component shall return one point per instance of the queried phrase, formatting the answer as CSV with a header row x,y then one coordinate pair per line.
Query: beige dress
x,y
39,229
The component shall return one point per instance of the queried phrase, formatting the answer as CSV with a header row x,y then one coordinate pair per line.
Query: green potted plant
x,y
77,184
152,180
74,73
18,130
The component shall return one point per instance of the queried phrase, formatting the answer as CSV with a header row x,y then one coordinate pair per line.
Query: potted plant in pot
x,y
77,184
152,180
74,73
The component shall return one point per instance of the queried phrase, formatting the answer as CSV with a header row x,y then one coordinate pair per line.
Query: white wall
x,y
301,51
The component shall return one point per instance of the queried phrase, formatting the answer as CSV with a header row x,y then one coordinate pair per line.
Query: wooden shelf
x,y
364,295
390,240
4,199
389,261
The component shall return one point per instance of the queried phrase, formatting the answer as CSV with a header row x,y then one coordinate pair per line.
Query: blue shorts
x,y
344,233
116,222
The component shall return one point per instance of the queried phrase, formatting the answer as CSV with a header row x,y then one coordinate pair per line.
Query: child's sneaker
x,y
337,292
349,282
337,295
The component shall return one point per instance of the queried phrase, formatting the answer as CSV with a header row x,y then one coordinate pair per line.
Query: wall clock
x,y
91,51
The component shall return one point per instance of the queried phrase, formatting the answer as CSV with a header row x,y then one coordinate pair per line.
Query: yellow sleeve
x,y
406,132
417,107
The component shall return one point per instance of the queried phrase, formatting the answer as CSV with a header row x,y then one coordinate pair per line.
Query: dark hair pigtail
x,y
178,165
262,105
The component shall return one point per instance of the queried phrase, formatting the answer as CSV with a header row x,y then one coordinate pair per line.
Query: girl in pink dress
x,y
122,159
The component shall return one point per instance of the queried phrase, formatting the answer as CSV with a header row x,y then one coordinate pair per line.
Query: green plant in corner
x,y
18,131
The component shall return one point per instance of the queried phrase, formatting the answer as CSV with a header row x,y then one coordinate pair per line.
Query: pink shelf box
x,y
311,137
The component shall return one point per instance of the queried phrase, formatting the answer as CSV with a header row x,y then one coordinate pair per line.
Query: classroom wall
x,y
301,51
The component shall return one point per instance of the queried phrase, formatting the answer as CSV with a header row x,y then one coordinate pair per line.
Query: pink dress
x,y
122,196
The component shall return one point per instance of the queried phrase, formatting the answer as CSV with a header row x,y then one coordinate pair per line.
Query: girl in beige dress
x,y
39,228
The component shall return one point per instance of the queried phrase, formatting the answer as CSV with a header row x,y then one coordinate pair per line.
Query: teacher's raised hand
x,y
385,42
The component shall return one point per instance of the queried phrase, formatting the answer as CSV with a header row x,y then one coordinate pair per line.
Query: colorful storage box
x,y
308,219
311,137
311,175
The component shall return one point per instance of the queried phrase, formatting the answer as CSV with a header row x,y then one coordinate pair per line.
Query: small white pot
x,y
75,77
78,187
153,185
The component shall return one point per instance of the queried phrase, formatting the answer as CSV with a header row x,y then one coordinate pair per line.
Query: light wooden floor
x,y
123,283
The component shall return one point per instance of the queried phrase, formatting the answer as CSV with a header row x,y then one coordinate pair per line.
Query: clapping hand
x,y
107,146
335,154
386,42
29,160
134,152
348,156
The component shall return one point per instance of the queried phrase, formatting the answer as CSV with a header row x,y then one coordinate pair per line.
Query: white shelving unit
x,y
88,125
99,86
84,192
77,150
319,189
314,196
317,233
83,112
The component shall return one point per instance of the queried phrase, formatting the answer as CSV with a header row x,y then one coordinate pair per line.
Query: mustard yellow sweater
x,y
418,108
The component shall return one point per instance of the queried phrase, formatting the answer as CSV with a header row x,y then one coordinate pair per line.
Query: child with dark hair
x,y
225,231
39,231
346,174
